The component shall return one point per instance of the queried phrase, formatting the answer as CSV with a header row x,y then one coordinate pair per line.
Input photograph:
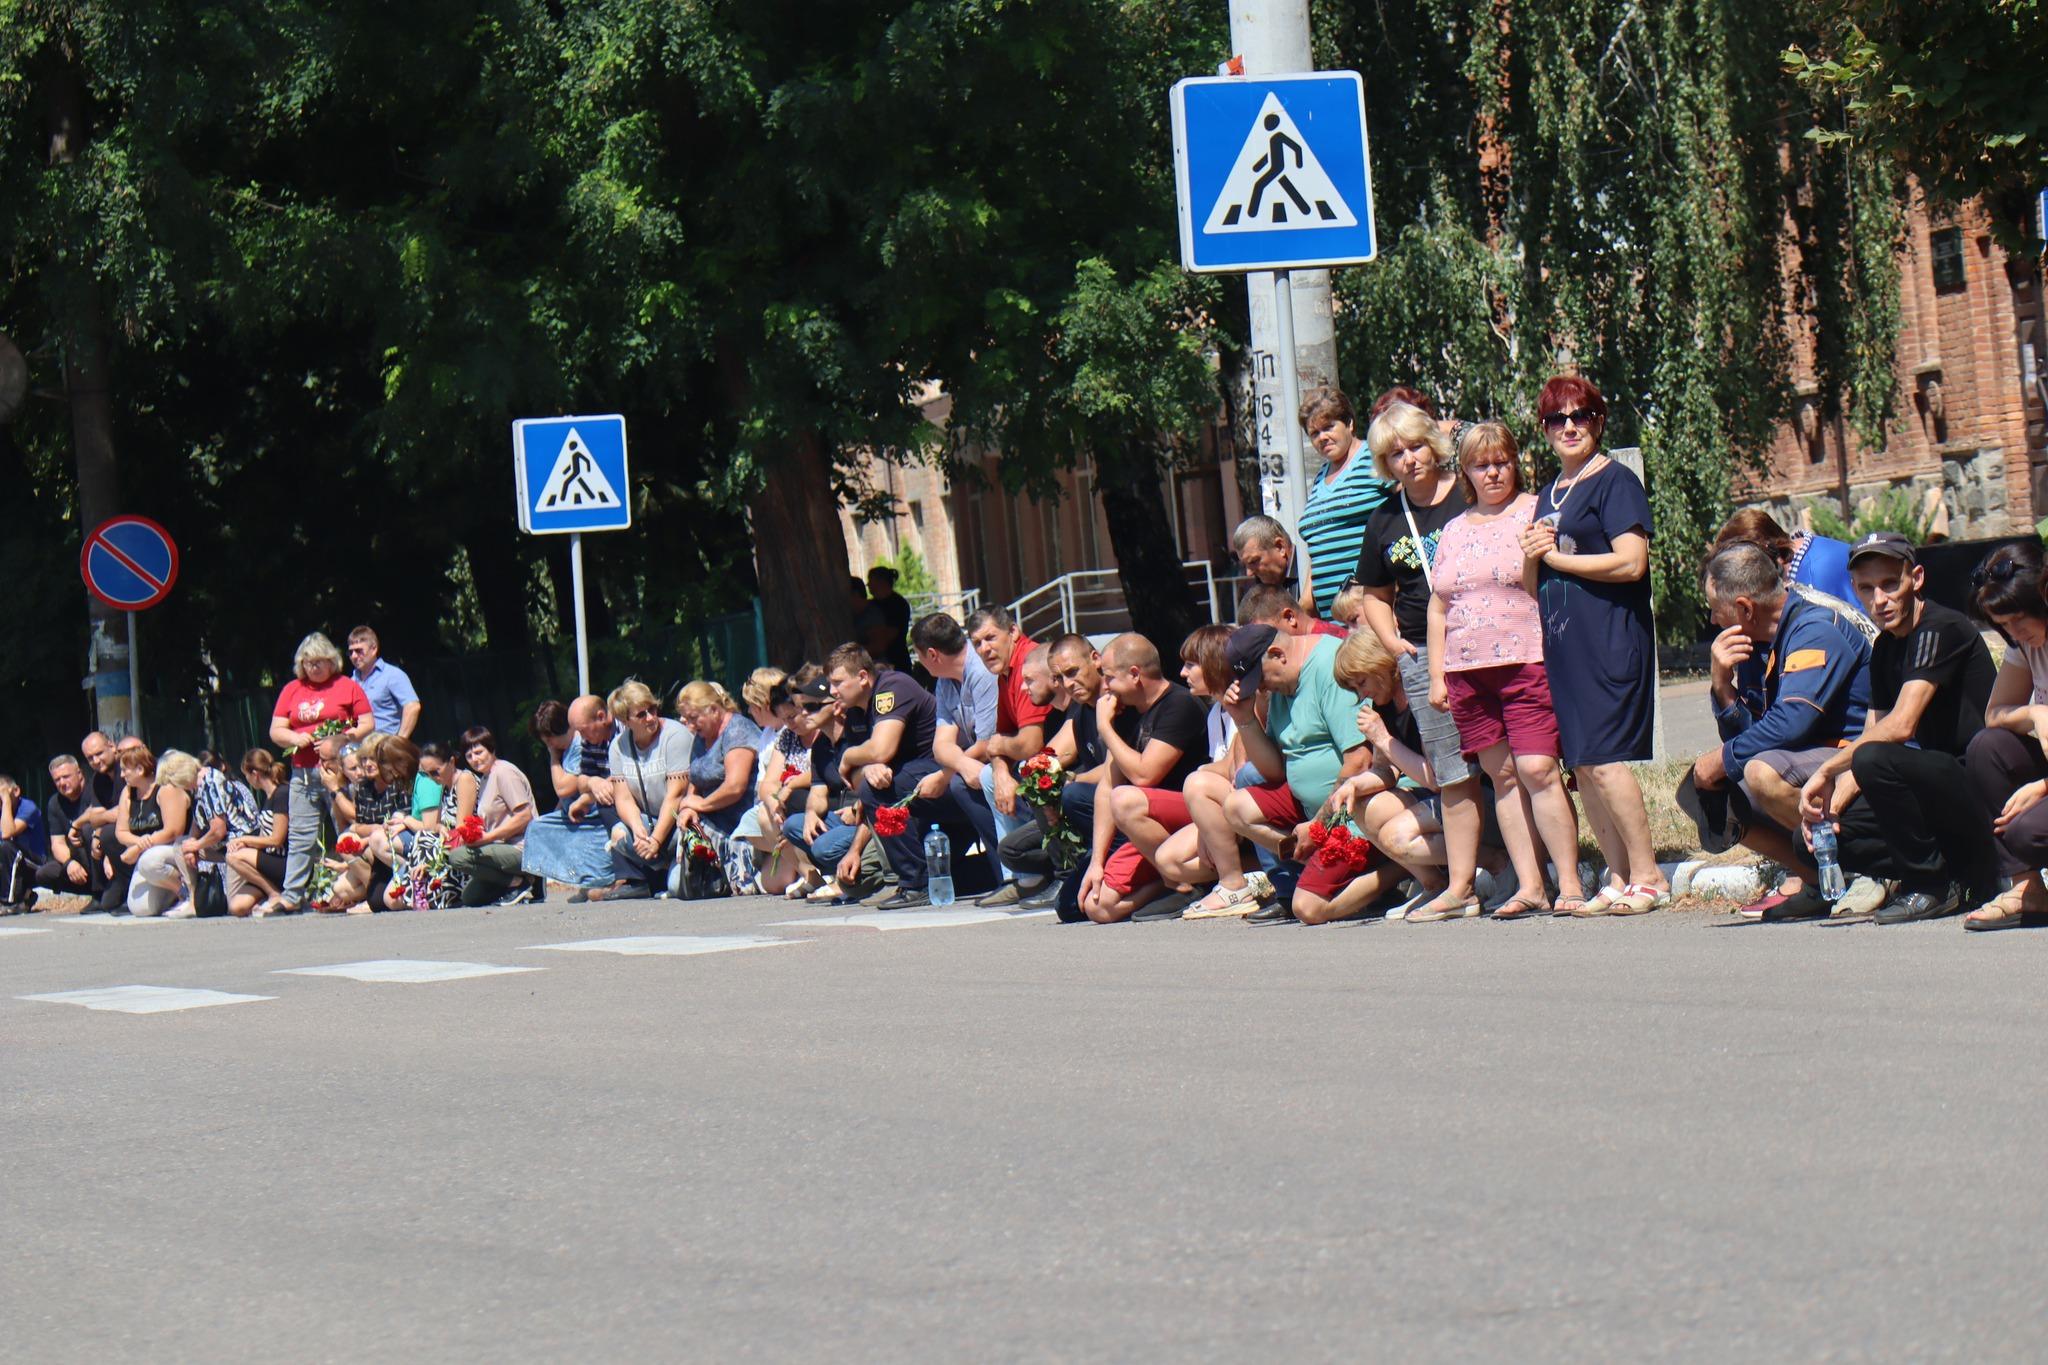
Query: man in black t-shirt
x,y
1154,734
1906,811
890,723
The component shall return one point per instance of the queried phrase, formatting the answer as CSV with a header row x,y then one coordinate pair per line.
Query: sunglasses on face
x,y
1584,417
813,707
646,713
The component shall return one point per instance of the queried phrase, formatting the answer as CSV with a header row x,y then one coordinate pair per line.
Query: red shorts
x,y
1508,703
1126,869
1276,802
1323,881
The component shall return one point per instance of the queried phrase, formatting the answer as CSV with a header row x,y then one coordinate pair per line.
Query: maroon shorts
x,y
1276,802
1126,869
1322,881
1508,703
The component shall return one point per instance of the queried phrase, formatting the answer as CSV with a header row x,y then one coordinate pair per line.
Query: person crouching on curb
x,y
1816,688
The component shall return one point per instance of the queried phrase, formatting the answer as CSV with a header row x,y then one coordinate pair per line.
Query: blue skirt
x,y
574,855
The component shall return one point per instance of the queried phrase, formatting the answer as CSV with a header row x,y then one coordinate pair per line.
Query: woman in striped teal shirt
x,y
1342,495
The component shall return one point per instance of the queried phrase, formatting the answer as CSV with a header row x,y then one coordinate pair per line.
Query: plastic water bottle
x,y
1829,859
938,866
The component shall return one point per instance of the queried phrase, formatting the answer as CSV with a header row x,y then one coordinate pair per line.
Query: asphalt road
x,y
1669,1136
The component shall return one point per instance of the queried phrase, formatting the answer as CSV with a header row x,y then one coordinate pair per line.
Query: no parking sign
x,y
130,563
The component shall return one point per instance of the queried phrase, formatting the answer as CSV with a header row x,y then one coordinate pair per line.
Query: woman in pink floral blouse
x,y
1486,669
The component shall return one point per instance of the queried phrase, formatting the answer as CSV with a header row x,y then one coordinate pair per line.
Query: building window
x,y
1947,249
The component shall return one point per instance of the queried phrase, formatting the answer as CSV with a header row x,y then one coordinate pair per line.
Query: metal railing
x,y
958,605
1091,601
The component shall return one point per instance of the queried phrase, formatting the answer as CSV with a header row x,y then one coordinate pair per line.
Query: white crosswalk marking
x,y
102,917
12,930
889,920
410,972
144,999
667,945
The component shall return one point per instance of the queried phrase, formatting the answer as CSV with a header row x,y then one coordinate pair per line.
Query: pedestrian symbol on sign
x,y
576,481
1276,183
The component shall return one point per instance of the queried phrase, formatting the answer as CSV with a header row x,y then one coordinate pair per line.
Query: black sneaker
x,y
1911,905
518,895
1802,904
1276,913
1168,906
904,898
1046,897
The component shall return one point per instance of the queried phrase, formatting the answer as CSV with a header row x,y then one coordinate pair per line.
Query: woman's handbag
x,y
209,896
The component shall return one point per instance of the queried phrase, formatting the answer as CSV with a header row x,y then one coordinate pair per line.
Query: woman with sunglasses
x,y
650,762
1486,668
2007,768
1590,545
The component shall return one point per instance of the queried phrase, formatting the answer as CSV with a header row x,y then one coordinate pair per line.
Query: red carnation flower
x,y
703,853
348,846
891,821
791,773
1318,832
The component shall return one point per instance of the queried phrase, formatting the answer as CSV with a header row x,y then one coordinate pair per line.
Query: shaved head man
x,y
1154,735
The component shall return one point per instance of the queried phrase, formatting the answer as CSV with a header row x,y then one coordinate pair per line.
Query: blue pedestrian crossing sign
x,y
571,473
1273,172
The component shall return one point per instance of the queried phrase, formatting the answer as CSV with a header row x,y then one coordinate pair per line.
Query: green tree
x,y
1950,91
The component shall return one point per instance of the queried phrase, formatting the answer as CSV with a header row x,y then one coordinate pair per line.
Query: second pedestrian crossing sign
x,y
1273,171
571,473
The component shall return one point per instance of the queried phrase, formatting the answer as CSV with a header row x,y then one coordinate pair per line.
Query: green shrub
x,y
1895,509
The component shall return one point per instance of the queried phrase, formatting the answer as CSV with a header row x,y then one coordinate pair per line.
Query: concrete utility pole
x,y
1272,38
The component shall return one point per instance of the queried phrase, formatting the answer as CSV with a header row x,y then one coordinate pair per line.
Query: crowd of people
x,y
1419,697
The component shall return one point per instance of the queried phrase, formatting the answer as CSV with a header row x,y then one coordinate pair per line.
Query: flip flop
x,y
1522,907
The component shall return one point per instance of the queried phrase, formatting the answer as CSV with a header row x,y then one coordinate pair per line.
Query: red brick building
x,y
1970,441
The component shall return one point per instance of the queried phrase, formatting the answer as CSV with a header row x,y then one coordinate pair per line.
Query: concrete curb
x,y
1696,877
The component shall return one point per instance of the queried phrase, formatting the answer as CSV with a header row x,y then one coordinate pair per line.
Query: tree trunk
x,y
800,556
82,326
1162,605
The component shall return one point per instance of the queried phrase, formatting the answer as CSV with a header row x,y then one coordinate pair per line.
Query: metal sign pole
x,y
1294,496
134,680
582,636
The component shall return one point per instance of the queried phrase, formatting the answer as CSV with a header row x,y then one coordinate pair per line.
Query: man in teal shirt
x,y
1307,744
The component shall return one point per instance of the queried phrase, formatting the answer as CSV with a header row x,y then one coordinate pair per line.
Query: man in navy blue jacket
x,y
1814,694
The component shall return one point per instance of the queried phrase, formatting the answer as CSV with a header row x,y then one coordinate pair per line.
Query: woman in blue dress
x,y
722,778
1590,541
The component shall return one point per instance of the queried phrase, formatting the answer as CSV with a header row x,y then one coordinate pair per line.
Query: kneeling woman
x,y
2006,761
1403,825
721,776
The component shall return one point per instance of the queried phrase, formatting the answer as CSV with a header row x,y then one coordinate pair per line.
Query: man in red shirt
x,y
1020,723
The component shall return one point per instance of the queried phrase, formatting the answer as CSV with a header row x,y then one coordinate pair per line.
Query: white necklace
x,y
1557,503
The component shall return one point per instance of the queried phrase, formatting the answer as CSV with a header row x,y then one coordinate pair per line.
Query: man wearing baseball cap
x,y
1898,794
1307,744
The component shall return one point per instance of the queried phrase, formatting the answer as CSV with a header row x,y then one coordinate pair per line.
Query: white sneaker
x,y
182,910
828,892
1413,903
